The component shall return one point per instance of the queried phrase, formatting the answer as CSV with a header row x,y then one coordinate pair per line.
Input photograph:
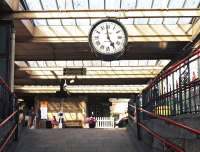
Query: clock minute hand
x,y
112,44
108,37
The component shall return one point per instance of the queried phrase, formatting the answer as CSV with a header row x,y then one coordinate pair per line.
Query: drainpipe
x,y
12,60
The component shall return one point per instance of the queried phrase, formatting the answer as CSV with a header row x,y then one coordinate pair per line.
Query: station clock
x,y
108,39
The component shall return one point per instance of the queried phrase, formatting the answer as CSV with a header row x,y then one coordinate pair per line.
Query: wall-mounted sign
x,y
43,109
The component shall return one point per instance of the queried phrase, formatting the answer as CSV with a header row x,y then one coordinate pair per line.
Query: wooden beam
x,y
124,81
195,29
112,13
82,88
137,33
85,39
13,4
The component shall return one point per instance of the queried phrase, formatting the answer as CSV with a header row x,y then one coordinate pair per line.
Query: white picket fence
x,y
105,122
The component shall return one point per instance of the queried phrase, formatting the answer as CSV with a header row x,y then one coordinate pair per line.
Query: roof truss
x,y
112,13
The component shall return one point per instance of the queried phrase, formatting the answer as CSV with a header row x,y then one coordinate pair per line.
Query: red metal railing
x,y
2,147
2,82
192,130
170,121
14,129
163,140
173,68
7,119
5,84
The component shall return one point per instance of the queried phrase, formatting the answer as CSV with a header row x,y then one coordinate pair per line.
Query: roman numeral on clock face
x,y
108,49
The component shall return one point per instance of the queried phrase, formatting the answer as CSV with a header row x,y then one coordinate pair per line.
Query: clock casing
x,y
108,39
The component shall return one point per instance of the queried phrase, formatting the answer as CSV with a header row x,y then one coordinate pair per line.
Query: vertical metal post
x,y
180,93
12,60
198,65
138,117
173,92
12,66
189,89
16,118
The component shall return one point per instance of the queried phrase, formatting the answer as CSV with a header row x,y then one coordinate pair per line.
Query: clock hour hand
x,y
112,44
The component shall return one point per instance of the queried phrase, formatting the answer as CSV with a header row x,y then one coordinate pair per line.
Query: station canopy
x,y
157,28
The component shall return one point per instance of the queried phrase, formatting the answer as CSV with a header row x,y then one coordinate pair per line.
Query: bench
x,y
73,124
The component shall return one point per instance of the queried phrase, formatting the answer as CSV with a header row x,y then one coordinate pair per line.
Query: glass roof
x,y
109,4
94,68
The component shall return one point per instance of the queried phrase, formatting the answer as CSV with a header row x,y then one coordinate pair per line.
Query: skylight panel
x,y
70,63
123,62
143,62
54,22
158,4
105,63
87,63
32,63
188,4
155,20
49,4
184,20
83,21
141,20
174,4
21,63
96,63
140,5
114,63
128,21
152,62
96,4
34,4
80,4
78,63
192,3
40,22
144,4
61,63
51,63
133,62
170,20
61,4
112,4
68,21
41,63
64,4
128,4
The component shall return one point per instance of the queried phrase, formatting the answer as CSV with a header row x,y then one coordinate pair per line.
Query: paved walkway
x,y
74,140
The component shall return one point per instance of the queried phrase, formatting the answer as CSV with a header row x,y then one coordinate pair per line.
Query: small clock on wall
x,y
108,39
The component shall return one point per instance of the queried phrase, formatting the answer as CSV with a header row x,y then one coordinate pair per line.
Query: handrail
x,y
163,140
8,138
7,119
14,130
192,130
170,69
6,85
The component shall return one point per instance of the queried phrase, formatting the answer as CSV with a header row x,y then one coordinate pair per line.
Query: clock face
x,y
108,38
